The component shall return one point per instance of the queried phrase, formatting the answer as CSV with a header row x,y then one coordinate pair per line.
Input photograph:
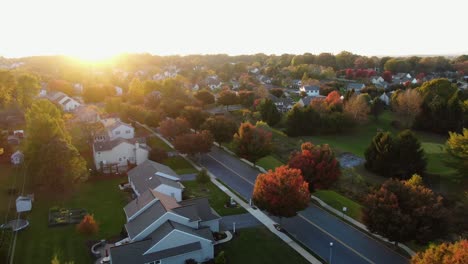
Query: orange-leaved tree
x,y
88,225
445,253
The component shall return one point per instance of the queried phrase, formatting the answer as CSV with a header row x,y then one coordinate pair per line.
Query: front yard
x,y
259,246
339,201
179,165
216,197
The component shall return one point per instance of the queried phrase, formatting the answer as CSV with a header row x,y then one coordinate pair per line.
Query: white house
x,y
119,152
114,128
67,103
118,91
157,177
310,90
17,158
162,230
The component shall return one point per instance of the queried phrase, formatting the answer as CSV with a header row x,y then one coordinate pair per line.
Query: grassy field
x,y
38,243
179,165
339,201
269,162
156,142
259,246
216,197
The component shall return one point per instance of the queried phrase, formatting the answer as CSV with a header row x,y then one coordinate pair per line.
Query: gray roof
x,y
110,144
133,252
306,100
141,201
143,176
144,219
169,226
355,86
203,208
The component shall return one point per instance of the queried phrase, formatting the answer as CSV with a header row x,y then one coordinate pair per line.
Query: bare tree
x,y
408,106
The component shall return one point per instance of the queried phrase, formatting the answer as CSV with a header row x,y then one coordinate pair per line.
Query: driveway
x,y
314,227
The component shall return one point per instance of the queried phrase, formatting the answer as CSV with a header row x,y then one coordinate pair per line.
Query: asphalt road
x,y
314,227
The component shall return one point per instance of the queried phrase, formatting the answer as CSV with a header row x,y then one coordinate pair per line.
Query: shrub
x,y
88,225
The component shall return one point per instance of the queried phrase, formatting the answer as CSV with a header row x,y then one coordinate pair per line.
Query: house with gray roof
x,y
283,104
114,128
357,87
310,90
162,230
157,177
305,101
119,152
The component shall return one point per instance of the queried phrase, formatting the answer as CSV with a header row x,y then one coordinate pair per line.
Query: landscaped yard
x,y
339,201
156,142
179,165
216,197
38,243
269,162
259,246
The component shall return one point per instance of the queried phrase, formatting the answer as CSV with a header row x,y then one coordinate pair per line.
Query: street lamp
x,y
331,247
344,211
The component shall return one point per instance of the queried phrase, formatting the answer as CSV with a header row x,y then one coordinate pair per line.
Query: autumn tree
x,y
408,106
53,162
282,192
195,116
457,147
246,98
387,76
445,253
334,101
136,91
227,98
171,128
269,112
260,91
27,87
278,92
377,107
251,142
403,212
357,108
222,128
205,96
318,165
194,143
88,226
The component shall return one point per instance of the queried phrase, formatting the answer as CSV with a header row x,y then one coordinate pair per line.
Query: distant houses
x,y
356,87
310,90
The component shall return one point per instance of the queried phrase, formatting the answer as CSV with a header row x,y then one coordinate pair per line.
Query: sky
x,y
94,29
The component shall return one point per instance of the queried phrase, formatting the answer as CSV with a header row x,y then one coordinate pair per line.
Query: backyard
x,y
38,243
216,197
260,246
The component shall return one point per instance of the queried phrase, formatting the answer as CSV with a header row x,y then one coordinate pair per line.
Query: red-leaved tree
x,y
318,165
282,192
334,101
387,76
194,143
252,142
171,128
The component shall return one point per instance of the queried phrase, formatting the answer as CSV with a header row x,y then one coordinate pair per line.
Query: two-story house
x,y
310,90
119,152
113,129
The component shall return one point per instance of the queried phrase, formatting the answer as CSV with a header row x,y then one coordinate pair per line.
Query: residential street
x,y
313,227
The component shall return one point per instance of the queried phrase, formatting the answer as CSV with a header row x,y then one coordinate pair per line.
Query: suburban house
x,y
162,230
157,177
213,82
357,87
67,103
402,78
384,97
17,158
118,91
114,128
283,104
305,101
119,153
310,90
379,82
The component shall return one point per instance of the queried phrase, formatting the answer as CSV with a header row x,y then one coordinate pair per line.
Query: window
x,y
117,132
127,132
120,159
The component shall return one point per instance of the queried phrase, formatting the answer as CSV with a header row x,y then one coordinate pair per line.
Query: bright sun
x,y
89,56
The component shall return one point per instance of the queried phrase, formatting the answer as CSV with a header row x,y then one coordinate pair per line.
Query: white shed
x,y
24,203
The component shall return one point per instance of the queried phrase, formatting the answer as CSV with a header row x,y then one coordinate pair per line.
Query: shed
x,y
24,203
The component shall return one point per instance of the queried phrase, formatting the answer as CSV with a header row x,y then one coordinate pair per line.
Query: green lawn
x,y
156,142
179,165
216,197
339,201
259,246
436,157
38,243
269,162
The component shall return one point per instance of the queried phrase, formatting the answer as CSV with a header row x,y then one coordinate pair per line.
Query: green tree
x,y
202,177
136,91
457,147
377,107
269,112
7,85
195,116
222,128
380,155
411,158
27,88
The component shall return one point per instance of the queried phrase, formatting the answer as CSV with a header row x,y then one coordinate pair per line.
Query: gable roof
x,y
144,176
144,219
306,100
133,252
202,207
139,203
110,144
355,86
308,88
